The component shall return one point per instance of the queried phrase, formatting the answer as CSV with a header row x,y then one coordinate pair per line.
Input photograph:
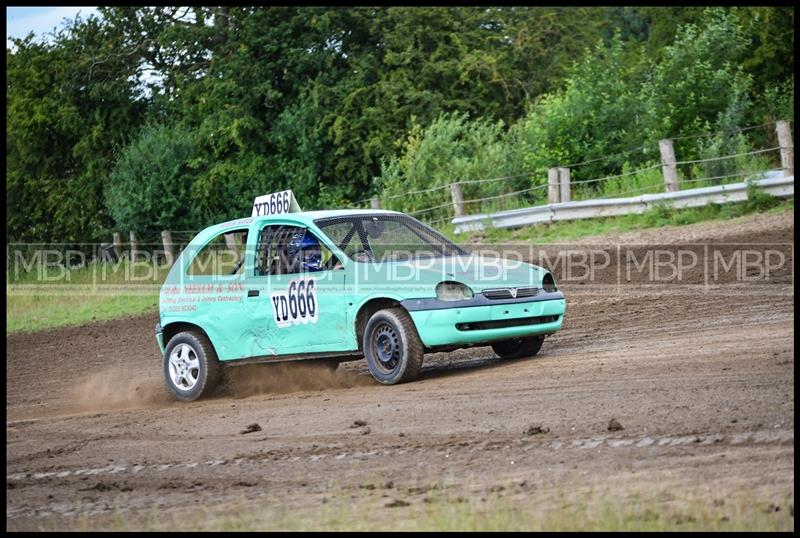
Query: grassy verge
x,y
91,293
35,312
653,218
444,511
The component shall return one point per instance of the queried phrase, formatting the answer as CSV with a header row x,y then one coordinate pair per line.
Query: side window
x,y
391,240
223,255
347,237
285,250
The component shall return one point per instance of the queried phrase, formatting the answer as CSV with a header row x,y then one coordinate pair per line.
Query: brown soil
x,y
702,381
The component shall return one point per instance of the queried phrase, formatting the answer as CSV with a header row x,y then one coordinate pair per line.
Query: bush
x,y
150,186
757,199
452,148
699,84
632,183
658,215
595,116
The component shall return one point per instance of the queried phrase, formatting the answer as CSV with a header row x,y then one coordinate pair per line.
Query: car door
x,y
213,290
291,309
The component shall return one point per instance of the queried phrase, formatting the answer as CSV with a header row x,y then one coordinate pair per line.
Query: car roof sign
x,y
276,203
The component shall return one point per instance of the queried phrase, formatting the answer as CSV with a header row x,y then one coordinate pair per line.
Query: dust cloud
x,y
286,377
118,388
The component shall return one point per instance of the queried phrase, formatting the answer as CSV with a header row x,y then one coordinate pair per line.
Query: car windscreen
x,y
386,237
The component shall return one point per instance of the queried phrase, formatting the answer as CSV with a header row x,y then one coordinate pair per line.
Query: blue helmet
x,y
305,249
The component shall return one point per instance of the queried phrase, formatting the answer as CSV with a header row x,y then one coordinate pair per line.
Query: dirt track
x,y
702,381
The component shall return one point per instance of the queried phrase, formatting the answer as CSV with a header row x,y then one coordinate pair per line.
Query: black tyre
x,y
519,347
392,347
191,367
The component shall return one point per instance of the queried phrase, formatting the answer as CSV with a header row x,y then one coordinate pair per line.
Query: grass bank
x,y
653,218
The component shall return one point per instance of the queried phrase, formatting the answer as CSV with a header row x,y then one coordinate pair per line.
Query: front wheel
x,y
392,347
191,367
519,347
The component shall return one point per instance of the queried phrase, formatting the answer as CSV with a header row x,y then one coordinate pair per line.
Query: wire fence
x,y
647,177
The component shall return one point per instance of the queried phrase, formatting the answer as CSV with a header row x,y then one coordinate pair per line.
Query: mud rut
x,y
702,382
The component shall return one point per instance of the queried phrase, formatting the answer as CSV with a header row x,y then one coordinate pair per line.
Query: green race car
x,y
341,285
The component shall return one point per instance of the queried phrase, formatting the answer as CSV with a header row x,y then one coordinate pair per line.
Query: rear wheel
x,y
190,364
392,347
519,347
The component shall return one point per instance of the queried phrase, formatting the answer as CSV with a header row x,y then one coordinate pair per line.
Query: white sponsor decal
x,y
277,203
298,304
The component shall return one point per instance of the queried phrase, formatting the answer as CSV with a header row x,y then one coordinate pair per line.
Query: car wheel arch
x,y
176,327
366,311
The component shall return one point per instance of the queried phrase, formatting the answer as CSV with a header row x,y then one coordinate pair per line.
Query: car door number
x,y
298,304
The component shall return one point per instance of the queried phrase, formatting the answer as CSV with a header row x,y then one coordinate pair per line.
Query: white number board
x,y
298,304
277,203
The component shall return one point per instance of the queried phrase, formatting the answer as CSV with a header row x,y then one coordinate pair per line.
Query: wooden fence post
x,y
552,186
375,203
133,246
458,199
787,149
117,244
169,248
668,166
564,182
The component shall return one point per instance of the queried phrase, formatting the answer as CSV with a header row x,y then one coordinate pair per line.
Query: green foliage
x,y
699,84
316,98
629,183
149,187
757,199
451,148
777,102
595,116
617,98
69,104
659,214
770,29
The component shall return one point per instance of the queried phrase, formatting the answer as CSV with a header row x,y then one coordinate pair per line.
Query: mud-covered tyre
x,y
392,347
191,367
519,347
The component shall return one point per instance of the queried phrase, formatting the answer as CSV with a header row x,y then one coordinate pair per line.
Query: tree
x,y
70,103
150,186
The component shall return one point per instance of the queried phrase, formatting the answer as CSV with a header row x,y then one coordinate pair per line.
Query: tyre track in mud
x,y
703,385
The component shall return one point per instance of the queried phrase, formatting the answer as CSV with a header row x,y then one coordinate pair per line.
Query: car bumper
x,y
160,338
479,324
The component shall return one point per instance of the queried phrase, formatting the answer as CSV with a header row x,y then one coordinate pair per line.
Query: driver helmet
x,y
305,249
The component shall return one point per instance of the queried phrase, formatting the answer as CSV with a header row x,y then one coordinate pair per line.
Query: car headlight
x,y
549,283
453,291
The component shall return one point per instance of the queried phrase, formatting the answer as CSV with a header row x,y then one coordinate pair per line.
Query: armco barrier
x,y
773,183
